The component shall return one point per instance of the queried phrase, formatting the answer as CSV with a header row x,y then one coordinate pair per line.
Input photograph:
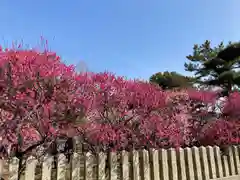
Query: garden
x,y
44,100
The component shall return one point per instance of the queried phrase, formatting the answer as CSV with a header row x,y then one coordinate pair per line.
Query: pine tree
x,y
216,66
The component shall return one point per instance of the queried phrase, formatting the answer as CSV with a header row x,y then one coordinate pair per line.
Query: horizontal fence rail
x,y
194,163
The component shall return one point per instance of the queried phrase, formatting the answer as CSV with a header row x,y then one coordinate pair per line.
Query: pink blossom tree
x,y
42,100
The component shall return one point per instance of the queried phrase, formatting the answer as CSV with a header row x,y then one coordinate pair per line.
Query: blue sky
x,y
133,38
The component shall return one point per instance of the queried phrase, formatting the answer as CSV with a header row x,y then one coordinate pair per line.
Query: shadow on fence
x,y
172,164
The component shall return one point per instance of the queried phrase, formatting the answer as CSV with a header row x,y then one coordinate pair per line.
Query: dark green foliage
x,y
215,65
230,53
170,80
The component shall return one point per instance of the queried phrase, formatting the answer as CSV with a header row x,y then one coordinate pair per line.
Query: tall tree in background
x,y
170,80
215,66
